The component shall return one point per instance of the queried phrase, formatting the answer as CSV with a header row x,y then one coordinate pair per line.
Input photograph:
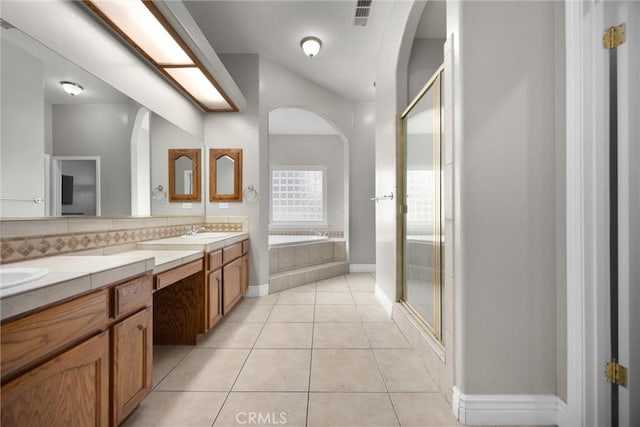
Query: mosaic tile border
x,y
23,248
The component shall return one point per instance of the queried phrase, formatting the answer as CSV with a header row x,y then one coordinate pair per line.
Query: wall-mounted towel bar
x,y
23,199
384,197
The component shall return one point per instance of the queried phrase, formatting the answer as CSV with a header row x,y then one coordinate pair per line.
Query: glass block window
x,y
297,195
420,202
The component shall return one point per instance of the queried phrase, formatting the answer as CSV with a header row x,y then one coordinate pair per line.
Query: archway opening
x,y
140,165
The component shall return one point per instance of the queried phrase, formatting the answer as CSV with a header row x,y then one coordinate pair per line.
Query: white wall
x,y
22,133
362,185
163,136
241,130
505,148
315,150
426,56
391,99
69,29
99,130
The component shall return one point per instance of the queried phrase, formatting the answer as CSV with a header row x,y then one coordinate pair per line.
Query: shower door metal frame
x,y
401,206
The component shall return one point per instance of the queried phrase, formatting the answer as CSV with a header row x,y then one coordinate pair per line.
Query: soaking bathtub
x,y
278,241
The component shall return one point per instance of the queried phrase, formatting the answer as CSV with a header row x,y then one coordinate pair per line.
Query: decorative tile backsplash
x,y
19,243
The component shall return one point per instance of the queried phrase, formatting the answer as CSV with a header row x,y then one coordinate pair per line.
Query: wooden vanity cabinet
x,y
132,363
231,284
71,389
227,280
86,361
214,300
245,266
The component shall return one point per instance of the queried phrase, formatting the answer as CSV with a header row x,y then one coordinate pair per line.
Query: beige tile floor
x,y
323,354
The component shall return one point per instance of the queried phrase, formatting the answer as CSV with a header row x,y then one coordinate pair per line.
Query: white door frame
x,y
582,222
56,181
587,215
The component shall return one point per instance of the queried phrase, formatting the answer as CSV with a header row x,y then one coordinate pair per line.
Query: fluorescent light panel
x,y
134,20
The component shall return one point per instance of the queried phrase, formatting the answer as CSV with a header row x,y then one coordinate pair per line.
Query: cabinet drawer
x,y
232,252
215,260
177,274
245,246
132,295
31,338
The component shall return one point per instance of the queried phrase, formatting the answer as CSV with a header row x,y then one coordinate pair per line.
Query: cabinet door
x,y
214,309
245,273
132,363
70,390
231,284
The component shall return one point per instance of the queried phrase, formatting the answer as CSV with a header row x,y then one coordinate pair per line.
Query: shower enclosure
x,y
421,204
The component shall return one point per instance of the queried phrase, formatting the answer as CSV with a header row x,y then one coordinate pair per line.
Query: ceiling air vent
x,y
363,10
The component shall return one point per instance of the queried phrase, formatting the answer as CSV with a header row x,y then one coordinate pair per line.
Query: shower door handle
x,y
384,197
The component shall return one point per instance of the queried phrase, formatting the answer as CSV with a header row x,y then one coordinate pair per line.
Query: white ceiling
x,y
274,28
295,121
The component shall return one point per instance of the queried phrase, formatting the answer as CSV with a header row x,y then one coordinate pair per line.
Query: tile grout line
x,y
243,364
384,381
313,329
172,368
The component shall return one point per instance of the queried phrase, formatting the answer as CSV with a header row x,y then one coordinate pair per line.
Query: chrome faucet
x,y
193,231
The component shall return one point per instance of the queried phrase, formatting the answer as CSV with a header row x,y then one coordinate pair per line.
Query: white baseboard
x,y
362,268
257,291
507,409
384,300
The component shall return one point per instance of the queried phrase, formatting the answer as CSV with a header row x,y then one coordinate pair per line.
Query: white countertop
x,y
165,259
194,243
71,275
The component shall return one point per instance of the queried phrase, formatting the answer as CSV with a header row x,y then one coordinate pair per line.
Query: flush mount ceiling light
x,y
141,24
311,46
71,88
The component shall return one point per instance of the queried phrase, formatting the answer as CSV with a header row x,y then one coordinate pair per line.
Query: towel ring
x,y
250,193
159,194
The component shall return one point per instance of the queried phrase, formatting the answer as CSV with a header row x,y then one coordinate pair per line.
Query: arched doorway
x,y
140,165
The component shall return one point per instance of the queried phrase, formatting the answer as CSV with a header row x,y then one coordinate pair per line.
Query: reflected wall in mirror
x,y
184,175
42,124
225,175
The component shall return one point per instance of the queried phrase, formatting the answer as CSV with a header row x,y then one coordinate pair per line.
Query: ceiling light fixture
x,y
311,46
141,24
71,88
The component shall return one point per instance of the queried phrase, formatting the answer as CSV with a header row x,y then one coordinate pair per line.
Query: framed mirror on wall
x,y
184,175
422,205
225,175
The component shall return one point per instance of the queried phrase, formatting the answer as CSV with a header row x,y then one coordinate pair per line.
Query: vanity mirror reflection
x,y
184,175
50,137
225,175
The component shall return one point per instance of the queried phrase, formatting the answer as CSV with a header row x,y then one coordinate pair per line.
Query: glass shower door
x,y
422,207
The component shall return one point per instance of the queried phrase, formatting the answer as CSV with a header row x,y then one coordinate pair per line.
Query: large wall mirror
x,y
184,175
94,153
225,175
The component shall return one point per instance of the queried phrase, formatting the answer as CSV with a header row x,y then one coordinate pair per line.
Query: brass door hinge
x,y
616,374
614,36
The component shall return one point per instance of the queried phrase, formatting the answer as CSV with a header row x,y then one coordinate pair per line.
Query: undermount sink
x,y
13,276
207,235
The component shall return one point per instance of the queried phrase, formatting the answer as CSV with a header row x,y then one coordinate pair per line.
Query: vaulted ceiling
x,y
346,63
